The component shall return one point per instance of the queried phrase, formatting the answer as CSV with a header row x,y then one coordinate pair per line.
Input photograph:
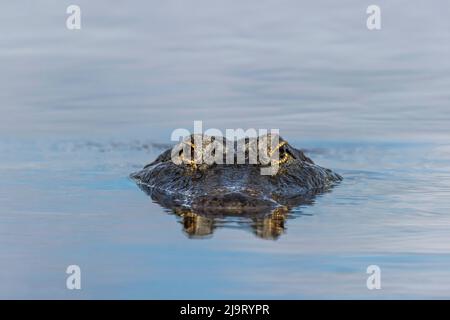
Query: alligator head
x,y
201,193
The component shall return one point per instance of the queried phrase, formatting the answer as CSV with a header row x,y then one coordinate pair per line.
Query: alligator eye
x,y
283,154
185,160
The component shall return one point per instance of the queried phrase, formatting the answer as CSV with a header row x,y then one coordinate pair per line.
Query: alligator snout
x,y
232,202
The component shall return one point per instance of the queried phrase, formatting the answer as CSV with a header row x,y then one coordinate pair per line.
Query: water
x,y
80,110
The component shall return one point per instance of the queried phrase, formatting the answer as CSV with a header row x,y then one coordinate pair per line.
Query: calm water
x,y
80,110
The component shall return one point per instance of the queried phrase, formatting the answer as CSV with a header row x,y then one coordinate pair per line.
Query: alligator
x,y
204,193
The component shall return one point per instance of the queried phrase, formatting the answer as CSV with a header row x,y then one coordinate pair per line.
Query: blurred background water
x,y
82,109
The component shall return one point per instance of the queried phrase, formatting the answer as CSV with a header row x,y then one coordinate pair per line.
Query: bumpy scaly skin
x,y
235,187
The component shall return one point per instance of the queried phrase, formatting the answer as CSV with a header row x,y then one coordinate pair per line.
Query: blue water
x,y
80,110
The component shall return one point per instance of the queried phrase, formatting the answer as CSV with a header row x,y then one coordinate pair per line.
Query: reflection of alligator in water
x,y
205,195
